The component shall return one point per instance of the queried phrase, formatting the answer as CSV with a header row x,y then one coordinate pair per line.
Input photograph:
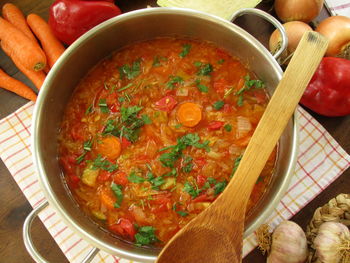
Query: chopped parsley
x,y
129,114
86,147
125,87
168,159
178,126
201,87
235,165
248,85
145,236
218,104
185,50
102,163
182,213
155,181
221,61
187,164
219,187
130,72
228,127
89,109
198,63
173,81
117,190
146,119
134,178
205,70
192,190
103,106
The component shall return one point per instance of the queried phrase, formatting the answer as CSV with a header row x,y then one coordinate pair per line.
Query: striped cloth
x,y
338,7
321,160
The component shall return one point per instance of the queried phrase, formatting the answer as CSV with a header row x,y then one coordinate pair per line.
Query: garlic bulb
x,y
288,244
332,243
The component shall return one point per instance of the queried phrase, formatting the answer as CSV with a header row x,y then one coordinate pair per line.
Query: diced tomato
x,y
220,85
120,178
215,125
160,199
201,198
200,162
167,103
114,107
77,132
260,96
68,163
73,181
124,227
160,208
104,175
125,143
201,180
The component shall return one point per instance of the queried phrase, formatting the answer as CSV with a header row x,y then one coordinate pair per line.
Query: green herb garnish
x,y
146,119
182,213
185,50
132,71
235,165
218,104
192,190
102,163
103,106
228,127
146,236
205,70
125,87
89,109
248,85
201,87
173,81
219,187
134,178
117,190
221,61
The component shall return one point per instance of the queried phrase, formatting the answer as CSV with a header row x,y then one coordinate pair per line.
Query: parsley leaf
x,y
201,87
102,163
146,236
248,85
228,127
218,104
185,50
134,178
221,61
198,63
219,187
86,147
146,119
173,81
130,72
103,106
155,181
193,191
187,164
205,70
235,165
182,213
117,190
89,109
129,114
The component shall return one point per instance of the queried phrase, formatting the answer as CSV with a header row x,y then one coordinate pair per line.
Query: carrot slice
x,y
189,114
14,85
52,46
110,147
15,16
22,48
36,77
107,199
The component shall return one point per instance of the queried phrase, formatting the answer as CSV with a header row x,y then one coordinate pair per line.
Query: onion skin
x,y
294,30
301,10
289,244
337,30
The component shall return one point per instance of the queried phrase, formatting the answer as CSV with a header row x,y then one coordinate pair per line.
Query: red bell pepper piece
x,y
167,103
215,125
69,19
328,92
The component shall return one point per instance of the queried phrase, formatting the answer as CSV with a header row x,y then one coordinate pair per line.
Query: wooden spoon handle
x,y
299,72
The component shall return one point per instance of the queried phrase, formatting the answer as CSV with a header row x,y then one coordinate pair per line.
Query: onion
x,y
337,30
301,10
294,30
243,127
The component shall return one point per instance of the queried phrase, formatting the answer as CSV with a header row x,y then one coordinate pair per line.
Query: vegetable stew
x,y
153,134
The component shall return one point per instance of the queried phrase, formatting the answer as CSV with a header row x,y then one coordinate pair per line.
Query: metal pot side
x,y
100,42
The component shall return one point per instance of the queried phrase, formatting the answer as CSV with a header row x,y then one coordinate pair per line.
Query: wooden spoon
x,y
216,234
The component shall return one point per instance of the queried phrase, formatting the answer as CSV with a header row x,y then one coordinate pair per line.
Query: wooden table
x,y
14,207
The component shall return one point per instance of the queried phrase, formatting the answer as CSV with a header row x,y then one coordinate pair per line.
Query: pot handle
x,y
269,18
27,237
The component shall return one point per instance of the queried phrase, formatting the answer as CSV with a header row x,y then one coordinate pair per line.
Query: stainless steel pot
x,y
100,42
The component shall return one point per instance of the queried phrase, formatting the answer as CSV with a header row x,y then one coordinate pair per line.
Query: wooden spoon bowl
x,y
216,235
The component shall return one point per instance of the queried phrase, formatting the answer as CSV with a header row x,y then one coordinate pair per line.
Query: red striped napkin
x,y
338,7
321,160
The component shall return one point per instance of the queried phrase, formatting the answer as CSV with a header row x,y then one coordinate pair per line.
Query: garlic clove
x,y
289,244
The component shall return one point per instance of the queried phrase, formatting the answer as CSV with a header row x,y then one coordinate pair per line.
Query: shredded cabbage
x,y
221,8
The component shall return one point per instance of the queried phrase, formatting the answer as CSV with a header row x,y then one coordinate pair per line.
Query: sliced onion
x,y
301,10
243,127
337,30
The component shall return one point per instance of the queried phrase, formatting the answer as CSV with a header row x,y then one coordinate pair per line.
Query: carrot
x,y
107,199
189,114
24,50
14,85
15,16
110,147
36,77
52,46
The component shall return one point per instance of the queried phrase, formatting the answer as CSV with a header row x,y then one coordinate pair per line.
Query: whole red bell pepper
x,y
69,19
328,92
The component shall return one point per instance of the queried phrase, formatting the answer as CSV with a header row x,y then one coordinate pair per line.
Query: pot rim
x,y
38,163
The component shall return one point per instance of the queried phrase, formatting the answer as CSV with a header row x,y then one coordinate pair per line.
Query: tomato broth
x,y
153,134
